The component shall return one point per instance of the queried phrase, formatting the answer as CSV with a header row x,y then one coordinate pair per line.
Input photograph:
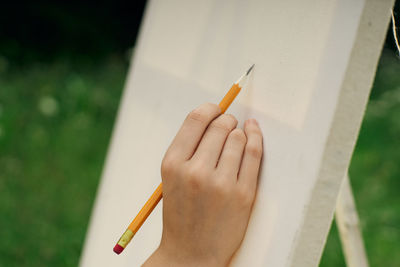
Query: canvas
x,y
314,65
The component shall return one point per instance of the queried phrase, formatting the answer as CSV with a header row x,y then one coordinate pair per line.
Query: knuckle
x,y
238,135
204,113
198,115
220,188
254,131
168,166
193,172
196,176
244,197
225,122
211,106
231,118
254,150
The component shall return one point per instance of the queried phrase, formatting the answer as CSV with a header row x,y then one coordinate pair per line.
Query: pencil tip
x,y
252,66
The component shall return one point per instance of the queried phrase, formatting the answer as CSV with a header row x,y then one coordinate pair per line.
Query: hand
x,y
209,178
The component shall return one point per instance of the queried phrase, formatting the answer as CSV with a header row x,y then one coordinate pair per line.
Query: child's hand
x,y
209,183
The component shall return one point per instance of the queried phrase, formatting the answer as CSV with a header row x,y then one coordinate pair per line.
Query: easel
x,y
348,224
347,218
315,63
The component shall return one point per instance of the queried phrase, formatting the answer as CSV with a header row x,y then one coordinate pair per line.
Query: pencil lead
x,y
252,66
243,79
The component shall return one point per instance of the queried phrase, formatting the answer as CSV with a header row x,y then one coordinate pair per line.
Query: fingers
x,y
231,157
192,130
253,150
211,144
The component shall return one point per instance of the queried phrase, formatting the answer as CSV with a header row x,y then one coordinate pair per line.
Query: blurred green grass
x,y
375,172
55,124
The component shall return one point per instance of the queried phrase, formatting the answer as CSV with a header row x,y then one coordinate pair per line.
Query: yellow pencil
x,y
157,195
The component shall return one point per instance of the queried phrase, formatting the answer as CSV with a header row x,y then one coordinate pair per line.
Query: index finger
x,y
192,130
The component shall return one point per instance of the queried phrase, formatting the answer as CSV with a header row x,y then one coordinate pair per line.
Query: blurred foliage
x,y
55,126
375,172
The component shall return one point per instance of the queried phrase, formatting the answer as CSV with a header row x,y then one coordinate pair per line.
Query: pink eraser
x,y
118,249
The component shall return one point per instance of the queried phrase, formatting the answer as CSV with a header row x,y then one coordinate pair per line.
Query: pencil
x,y
152,202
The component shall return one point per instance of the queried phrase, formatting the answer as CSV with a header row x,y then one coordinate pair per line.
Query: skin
x,y
209,176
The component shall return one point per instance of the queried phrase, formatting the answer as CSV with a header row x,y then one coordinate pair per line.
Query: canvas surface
x,y
190,52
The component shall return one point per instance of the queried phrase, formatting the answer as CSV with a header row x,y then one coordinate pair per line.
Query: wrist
x,y
162,257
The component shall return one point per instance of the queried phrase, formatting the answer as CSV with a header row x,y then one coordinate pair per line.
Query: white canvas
x,y
309,64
